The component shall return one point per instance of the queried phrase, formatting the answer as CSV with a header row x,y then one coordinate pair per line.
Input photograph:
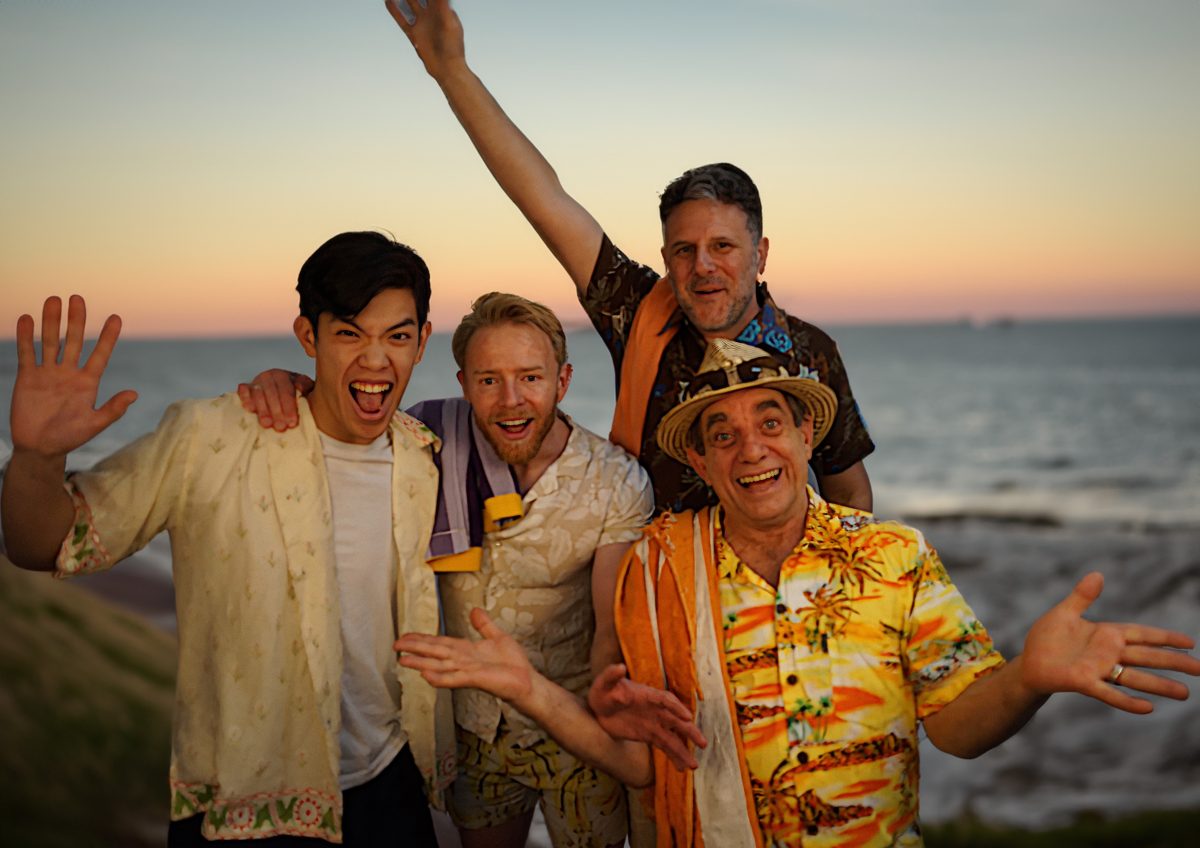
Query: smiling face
x,y
513,382
755,458
714,263
363,364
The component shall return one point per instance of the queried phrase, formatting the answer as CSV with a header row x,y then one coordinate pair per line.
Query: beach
x,y
1028,454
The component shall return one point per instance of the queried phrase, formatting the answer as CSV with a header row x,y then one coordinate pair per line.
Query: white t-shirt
x,y
360,489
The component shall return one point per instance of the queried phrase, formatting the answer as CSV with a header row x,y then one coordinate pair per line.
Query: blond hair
x,y
501,308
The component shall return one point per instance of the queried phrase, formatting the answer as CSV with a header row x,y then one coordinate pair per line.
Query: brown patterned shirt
x,y
618,285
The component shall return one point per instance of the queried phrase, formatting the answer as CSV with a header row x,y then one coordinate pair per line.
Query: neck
x,y
551,449
764,548
735,329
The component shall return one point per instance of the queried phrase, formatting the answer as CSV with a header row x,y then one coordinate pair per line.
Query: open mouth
x,y
514,427
370,397
751,480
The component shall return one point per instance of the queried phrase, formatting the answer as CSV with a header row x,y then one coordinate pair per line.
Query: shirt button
x,y
802,758
812,830
792,680
780,608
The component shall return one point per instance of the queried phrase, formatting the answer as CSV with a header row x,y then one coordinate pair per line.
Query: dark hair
x,y
721,182
346,272
696,437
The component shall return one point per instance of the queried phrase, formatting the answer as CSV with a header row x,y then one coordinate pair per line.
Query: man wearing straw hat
x,y
810,640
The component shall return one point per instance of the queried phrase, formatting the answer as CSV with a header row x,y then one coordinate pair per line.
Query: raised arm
x,y
53,412
568,229
499,666
1064,652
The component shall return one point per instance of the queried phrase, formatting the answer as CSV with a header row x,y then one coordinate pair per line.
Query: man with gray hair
x,y
656,329
811,640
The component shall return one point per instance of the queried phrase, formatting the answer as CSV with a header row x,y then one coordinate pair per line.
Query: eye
x,y
401,335
721,437
683,251
772,424
532,378
347,333
487,381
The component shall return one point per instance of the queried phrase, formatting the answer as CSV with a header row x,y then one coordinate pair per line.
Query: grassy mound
x,y
86,706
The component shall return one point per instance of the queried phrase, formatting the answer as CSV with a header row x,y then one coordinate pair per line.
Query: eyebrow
x,y
407,322
531,369
762,406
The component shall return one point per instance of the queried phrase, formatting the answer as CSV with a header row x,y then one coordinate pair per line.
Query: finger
x,y
674,706
484,625
271,398
610,677
676,750
26,358
76,324
1153,684
1084,594
1118,699
1140,634
102,352
398,16
115,406
1165,659
51,316
303,384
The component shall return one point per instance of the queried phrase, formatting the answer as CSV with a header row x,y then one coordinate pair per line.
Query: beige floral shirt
x,y
257,706
535,579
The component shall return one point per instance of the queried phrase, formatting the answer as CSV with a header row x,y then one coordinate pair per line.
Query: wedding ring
x,y
1114,676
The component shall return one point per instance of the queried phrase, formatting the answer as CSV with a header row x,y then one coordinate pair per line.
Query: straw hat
x,y
730,366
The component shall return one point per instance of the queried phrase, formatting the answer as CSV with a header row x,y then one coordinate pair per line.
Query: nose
x,y
373,355
509,395
752,446
704,260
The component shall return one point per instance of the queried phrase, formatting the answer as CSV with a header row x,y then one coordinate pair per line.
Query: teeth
x,y
370,388
514,424
758,478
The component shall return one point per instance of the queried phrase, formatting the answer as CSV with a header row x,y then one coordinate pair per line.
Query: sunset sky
x,y
176,162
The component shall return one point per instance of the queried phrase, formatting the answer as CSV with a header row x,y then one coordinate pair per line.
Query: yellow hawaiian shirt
x,y
831,670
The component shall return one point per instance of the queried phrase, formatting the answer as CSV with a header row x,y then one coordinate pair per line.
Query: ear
x,y
699,464
806,431
763,246
306,334
564,380
421,341
462,381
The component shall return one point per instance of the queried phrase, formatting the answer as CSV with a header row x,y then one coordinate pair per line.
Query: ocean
x,y
1028,452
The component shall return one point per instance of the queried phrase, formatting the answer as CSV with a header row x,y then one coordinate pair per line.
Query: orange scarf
x,y
643,352
668,621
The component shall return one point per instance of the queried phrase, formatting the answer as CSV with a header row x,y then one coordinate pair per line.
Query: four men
x,y
807,637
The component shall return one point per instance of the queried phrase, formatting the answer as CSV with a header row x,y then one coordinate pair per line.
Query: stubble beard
x,y
523,452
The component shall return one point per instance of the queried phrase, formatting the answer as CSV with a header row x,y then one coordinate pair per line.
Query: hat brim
x,y
818,399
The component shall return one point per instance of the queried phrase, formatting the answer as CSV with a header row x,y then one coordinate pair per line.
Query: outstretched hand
x,y
435,31
54,402
629,710
271,396
496,664
1064,652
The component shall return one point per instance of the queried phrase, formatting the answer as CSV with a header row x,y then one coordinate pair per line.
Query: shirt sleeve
x,y
848,440
127,499
617,286
946,647
632,503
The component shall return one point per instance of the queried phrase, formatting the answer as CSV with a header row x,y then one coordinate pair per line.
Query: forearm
x,y
851,487
988,712
566,719
35,509
568,229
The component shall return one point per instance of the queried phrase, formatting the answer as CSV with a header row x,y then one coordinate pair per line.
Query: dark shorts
x,y
388,810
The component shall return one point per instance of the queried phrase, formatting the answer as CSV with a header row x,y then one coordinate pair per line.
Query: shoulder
x,y
409,431
873,534
605,459
220,415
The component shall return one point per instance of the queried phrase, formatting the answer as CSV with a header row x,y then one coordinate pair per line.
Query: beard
x,y
711,318
522,452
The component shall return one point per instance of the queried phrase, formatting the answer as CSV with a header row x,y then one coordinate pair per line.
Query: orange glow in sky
x,y
176,163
